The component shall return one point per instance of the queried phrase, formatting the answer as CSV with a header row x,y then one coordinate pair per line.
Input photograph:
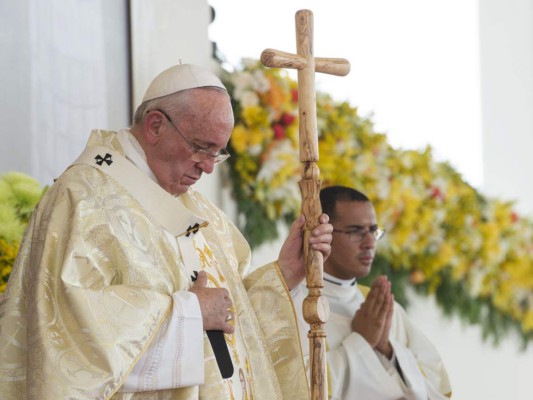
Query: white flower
x,y
249,99
242,83
249,63
477,277
280,155
260,82
255,149
248,82
383,188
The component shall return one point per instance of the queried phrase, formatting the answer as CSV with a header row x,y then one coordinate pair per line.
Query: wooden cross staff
x,y
315,307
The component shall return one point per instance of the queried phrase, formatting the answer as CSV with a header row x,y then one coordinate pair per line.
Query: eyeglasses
x,y
199,154
359,234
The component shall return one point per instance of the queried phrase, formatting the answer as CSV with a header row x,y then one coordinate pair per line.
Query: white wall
x,y
507,88
15,86
477,369
165,32
63,72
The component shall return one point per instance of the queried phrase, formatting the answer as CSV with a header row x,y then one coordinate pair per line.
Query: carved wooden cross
x,y
315,307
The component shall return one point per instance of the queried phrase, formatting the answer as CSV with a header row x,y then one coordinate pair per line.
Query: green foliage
x,y
19,193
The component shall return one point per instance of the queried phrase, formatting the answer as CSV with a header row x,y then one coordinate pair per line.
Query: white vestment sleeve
x,y
410,371
420,362
175,357
357,372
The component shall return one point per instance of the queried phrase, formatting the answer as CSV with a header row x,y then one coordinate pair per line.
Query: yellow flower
x,y
527,322
8,253
255,116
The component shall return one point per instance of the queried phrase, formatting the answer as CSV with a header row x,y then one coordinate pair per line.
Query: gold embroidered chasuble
x,y
92,283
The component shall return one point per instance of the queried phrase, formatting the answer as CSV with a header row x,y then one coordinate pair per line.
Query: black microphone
x,y
220,348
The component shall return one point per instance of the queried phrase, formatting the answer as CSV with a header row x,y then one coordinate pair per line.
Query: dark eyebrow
x,y
373,226
355,227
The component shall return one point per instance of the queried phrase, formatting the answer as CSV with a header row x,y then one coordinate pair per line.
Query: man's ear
x,y
152,125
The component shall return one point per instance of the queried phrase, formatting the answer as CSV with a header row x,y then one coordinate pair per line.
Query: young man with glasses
x,y
131,285
374,351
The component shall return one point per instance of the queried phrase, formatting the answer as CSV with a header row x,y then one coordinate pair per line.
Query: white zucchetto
x,y
181,77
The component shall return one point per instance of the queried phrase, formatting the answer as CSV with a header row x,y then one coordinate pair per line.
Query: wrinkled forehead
x,y
207,106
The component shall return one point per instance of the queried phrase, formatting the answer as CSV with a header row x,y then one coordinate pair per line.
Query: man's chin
x,y
178,189
188,181
364,269
183,185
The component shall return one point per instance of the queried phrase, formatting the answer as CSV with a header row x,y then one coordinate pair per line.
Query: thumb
x,y
298,225
201,280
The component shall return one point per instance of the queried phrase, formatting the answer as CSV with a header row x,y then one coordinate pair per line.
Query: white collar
x,y
134,152
343,291
338,281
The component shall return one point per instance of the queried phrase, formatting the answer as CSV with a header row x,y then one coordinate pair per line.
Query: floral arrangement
x,y
444,238
19,193
265,168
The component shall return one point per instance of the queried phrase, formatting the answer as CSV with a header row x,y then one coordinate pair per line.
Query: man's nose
x,y
207,165
369,240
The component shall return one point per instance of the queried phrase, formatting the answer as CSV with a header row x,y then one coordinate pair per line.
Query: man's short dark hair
x,y
331,195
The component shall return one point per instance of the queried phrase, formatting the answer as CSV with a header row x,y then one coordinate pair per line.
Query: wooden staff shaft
x,y
315,308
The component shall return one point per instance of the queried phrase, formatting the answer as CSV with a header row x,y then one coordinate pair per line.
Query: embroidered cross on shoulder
x,y
192,229
107,159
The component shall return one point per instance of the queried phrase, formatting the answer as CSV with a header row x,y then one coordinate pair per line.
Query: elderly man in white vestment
x,y
129,284
374,351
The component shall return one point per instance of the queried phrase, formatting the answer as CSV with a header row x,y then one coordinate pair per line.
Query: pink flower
x,y
437,193
287,119
279,131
